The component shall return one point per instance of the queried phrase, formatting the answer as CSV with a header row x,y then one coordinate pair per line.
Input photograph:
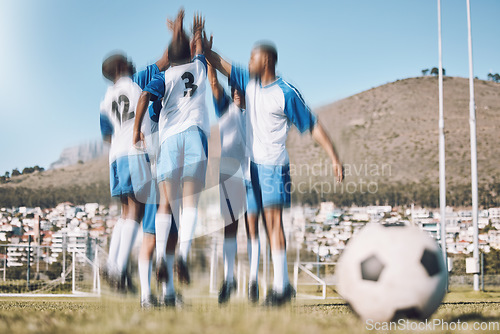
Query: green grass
x,y
203,315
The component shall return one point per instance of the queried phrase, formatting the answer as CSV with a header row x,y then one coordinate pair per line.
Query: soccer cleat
x,y
253,292
161,271
182,271
174,300
226,290
148,302
279,299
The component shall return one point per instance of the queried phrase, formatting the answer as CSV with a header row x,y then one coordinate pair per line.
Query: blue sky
x,y
51,53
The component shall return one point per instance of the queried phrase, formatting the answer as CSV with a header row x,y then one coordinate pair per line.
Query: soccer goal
x,y
45,271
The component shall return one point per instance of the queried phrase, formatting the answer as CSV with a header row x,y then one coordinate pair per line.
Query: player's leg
x,y
168,164
128,233
253,250
275,185
169,295
194,168
163,224
229,189
145,267
114,244
188,218
146,254
254,208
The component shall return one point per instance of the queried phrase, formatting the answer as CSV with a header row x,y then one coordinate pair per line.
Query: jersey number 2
x,y
124,115
190,87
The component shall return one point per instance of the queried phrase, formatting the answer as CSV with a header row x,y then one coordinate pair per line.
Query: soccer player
x,y
164,274
149,240
233,167
183,129
273,105
117,119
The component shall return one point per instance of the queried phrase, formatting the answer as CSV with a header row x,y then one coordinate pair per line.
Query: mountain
x,y
84,152
390,133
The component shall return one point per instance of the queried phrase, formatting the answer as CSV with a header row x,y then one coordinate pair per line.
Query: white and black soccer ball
x,y
392,272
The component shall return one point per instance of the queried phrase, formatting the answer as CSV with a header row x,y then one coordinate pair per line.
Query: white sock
x,y
280,270
168,287
187,227
145,267
114,245
229,251
254,260
163,223
128,234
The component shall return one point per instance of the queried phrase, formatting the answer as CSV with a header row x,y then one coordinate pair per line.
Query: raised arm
x,y
176,27
321,137
217,89
214,59
198,26
163,63
140,111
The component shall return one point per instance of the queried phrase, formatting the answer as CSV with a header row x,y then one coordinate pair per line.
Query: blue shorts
x,y
269,186
148,221
120,180
142,179
183,155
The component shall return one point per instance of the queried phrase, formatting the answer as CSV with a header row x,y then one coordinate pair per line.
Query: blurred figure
x,y
183,129
233,167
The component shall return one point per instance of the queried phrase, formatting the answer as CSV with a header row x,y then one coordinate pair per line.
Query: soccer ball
x,y
392,272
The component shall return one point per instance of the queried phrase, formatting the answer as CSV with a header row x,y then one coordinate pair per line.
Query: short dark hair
x,y
179,50
111,65
269,48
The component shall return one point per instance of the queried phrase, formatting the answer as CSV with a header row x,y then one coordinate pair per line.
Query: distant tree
x,y
490,76
80,162
435,71
7,175
38,168
425,72
496,77
15,172
28,170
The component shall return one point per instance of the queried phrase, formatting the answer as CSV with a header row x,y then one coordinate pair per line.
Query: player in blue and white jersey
x,y
117,119
234,164
183,130
273,105
145,187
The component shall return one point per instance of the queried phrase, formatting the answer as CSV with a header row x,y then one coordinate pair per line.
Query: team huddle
x,y
157,123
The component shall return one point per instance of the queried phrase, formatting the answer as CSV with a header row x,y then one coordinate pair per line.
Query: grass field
x,y
203,315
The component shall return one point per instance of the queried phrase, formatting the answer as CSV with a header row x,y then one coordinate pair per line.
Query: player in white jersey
x,y
233,167
117,120
183,128
147,179
272,106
